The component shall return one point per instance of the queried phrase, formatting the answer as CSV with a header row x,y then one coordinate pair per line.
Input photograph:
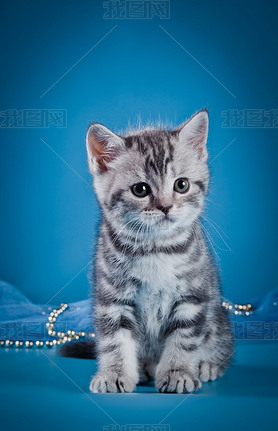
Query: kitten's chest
x,y
158,288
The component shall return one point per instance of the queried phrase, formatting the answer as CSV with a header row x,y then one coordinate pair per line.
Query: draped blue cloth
x,y
20,319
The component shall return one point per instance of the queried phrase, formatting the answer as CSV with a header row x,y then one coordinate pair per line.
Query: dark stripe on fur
x,y
197,322
111,348
108,326
116,197
201,185
189,347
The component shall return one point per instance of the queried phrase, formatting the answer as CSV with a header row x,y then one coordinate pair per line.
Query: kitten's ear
x,y
102,147
195,132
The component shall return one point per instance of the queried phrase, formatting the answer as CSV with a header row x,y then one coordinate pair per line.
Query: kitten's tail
x,y
79,349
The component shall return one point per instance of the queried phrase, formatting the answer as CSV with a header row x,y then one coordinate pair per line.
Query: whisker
x,y
210,241
116,235
131,232
220,236
214,222
142,224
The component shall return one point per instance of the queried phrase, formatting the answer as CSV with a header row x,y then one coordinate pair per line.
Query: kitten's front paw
x,y
209,372
178,381
109,381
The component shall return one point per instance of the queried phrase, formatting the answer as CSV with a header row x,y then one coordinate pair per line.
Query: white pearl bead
x,y
82,334
19,343
29,344
52,333
9,343
39,343
49,325
49,344
61,334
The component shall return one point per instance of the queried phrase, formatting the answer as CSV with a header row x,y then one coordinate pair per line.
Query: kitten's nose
x,y
165,210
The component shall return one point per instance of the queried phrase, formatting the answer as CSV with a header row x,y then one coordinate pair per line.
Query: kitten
x,y
157,303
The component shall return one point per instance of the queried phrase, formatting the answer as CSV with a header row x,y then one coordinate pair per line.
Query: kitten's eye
x,y
181,185
141,190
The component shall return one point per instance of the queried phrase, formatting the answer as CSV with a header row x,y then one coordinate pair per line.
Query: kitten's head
x,y
152,180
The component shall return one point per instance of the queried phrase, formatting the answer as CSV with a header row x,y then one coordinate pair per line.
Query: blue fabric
x,y
20,319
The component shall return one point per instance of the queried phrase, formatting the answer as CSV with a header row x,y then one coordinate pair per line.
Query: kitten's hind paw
x,y
110,381
209,372
177,381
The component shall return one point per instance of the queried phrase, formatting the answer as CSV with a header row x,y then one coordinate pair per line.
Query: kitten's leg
x,y
218,347
118,346
193,352
208,371
178,368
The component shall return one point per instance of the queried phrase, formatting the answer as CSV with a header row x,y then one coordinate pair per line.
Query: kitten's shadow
x,y
238,381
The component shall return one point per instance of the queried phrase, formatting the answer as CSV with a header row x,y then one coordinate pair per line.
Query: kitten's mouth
x,y
160,220
166,218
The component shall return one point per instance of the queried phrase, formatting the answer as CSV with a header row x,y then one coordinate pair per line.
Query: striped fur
x,y
156,296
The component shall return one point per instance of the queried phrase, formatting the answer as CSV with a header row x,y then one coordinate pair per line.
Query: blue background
x,y
49,213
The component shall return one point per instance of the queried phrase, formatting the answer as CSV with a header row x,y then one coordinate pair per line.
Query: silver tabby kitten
x,y
157,303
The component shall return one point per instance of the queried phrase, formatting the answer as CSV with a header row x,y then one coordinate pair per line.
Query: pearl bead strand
x,y
61,337
239,309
